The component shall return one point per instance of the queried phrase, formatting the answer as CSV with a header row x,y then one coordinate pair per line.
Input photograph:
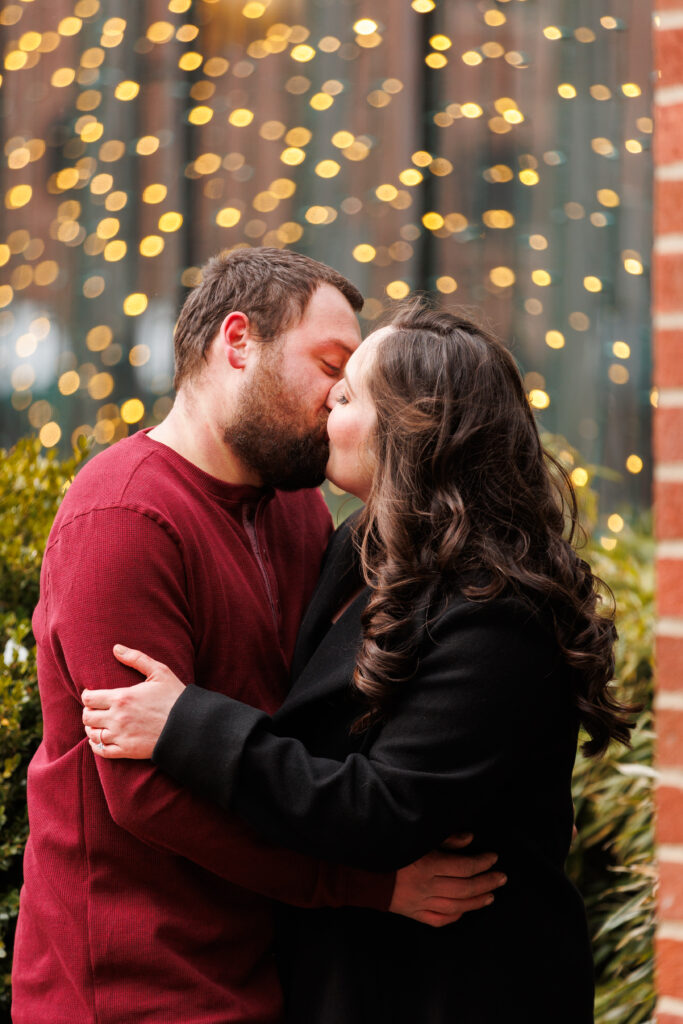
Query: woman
x,y
452,649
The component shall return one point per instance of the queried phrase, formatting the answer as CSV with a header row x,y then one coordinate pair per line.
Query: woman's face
x,y
351,422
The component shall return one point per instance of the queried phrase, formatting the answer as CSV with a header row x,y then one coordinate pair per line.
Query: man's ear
x,y
235,339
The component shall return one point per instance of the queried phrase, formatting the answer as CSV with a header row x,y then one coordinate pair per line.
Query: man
x,y
199,542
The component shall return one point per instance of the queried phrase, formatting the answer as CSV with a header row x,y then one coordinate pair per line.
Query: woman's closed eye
x,y
341,399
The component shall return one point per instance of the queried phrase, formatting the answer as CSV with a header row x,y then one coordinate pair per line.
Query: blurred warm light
x,y
151,245
132,411
498,219
321,101
241,117
302,53
50,434
327,168
440,42
364,253
115,251
579,477
147,145
618,373
410,177
135,304
98,338
69,382
154,193
228,217
365,27
69,26
397,289
87,204
203,114
170,221
18,196
634,464
529,177
126,90
502,277
433,221
608,197
539,399
161,31
292,156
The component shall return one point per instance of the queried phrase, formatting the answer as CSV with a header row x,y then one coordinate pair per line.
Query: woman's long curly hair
x,y
464,490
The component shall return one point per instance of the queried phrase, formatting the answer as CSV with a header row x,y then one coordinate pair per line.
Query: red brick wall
x,y
668,444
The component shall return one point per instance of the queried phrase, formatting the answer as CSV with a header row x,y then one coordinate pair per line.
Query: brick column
x,y
668,447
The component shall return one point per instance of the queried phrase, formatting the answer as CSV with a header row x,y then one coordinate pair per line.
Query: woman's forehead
x,y
361,358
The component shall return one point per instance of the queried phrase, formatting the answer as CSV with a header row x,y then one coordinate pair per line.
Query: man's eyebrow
x,y
339,344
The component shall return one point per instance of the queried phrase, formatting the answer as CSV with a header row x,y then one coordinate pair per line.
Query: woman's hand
x,y
127,722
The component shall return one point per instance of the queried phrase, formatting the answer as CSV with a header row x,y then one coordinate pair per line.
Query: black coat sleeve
x,y
488,685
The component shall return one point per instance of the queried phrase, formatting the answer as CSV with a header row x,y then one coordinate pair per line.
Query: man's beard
x,y
267,435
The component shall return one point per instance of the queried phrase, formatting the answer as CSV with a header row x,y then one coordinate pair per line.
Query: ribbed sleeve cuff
x,y
369,889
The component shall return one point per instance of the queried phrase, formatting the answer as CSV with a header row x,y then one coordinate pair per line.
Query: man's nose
x,y
331,396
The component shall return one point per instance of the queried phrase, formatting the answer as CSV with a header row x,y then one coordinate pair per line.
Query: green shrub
x,y
612,858
31,486
612,861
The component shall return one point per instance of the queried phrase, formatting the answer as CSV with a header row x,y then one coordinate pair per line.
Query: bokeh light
x,y
510,177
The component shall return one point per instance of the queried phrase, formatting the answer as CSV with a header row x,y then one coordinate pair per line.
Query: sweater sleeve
x,y
117,576
455,742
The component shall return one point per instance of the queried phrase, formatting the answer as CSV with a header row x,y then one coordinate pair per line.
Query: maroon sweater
x,y
142,902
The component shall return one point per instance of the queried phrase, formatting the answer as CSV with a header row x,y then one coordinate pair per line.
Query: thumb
x,y
136,659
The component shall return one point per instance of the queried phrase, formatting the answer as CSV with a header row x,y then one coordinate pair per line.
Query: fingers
x,y
136,659
101,699
110,751
460,866
467,888
95,719
97,735
450,907
457,841
437,920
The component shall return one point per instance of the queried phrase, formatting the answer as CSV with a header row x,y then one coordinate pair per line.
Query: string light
x,y
97,211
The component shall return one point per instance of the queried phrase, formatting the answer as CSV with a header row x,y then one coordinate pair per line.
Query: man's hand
x,y
442,886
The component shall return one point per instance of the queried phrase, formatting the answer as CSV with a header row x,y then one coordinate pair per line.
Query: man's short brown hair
x,y
270,286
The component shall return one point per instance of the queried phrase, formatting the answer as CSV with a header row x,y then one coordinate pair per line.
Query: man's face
x,y
280,425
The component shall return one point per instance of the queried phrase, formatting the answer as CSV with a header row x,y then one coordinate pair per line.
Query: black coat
x,y
482,739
